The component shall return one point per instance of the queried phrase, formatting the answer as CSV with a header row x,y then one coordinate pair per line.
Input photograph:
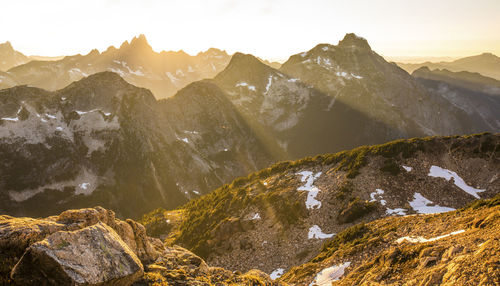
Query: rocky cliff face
x,y
292,208
10,58
92,247
163,73
476,95
354,75
102,140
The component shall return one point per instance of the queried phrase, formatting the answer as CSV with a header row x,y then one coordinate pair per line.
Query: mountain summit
x,y
351,40
10,57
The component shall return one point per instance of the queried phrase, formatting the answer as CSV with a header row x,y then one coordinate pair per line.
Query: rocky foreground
x,y
92,247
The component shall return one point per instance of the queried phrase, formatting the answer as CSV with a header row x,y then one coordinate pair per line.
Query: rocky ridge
x,y
92,247
103,141
292,208
163,73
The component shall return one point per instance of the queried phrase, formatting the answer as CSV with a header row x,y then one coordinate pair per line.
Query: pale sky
x,y
272,29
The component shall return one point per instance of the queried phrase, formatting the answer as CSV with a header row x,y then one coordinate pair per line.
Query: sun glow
x,y
270,29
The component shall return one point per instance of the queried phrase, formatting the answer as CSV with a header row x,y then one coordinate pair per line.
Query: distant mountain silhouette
x,y
487,64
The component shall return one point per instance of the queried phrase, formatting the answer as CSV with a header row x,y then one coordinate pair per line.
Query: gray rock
x,y
95,255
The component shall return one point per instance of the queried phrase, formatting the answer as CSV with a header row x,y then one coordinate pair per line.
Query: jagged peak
x,y
140,42
242,60
7,44
351,39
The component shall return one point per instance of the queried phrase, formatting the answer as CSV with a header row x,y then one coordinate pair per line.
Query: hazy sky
x,y
272,29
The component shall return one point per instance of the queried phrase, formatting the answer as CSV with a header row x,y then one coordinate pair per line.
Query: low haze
x,y
270,29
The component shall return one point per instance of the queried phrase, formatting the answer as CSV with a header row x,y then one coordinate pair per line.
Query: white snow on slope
x,y
421,205
250,87
439,172
172,78
316,232
277,273
309,178
408,169
256,216
269,82
10,118
420,239
377,195
185,140
293,80
326,276
396,211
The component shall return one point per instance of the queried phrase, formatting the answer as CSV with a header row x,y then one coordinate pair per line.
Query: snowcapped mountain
x,y
163,73
356,76
103,141
10,58
295,119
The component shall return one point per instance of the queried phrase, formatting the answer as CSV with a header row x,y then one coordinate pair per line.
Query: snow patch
x,y
309,178
408,169
172,78
293,80
277,273
377,195
10,118
269,82
250,87
316,232
326,276
421,205
256,216
439,172
420,239
396,211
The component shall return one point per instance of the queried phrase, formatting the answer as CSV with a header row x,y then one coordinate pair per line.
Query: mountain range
x,y
163,73
487,64
102,140
381,214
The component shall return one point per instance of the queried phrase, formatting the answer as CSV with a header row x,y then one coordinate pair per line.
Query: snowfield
x,y
439,172
421,205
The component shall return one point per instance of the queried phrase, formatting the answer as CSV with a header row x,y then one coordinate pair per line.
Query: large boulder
x,y
94,255
16,234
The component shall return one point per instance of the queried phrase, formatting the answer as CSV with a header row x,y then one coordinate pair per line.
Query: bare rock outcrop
x,y
17,234
94,255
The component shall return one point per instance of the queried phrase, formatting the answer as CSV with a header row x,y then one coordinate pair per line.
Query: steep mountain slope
x,y
295,119
467,80
279,217
457,248
486,64
6,80
163,73
476,95
10,58
103,141
354,75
